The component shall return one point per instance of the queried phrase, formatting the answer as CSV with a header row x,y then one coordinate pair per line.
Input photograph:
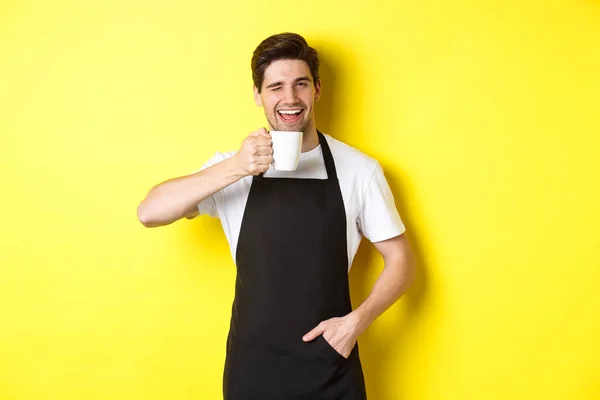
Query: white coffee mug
x,y
287,147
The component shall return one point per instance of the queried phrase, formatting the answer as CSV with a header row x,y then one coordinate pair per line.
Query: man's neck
x,y
310,139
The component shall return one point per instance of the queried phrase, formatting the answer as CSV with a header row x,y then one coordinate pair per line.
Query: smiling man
x,y
293,236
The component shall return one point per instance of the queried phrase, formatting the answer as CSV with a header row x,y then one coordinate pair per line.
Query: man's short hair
x,y
283,46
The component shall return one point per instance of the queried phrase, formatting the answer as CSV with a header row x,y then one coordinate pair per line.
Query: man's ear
x,y
318,90
257,98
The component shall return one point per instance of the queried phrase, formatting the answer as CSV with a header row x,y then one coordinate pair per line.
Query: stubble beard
x,y
281,127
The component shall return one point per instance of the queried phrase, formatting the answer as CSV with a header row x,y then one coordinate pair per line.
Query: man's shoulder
x,y
350,159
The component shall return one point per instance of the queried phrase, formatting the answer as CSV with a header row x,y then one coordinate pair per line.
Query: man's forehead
x,y
286,70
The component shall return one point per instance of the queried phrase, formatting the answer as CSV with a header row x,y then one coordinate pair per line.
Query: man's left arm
x,y
395,279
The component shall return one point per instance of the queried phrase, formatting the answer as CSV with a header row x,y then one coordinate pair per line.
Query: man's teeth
x,y
291,112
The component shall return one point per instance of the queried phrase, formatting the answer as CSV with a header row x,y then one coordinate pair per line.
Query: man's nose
x,y
290,94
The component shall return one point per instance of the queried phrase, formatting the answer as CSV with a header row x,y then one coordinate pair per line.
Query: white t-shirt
x,y
368,200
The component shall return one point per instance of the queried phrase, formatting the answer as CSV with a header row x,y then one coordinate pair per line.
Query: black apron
x,y
292,273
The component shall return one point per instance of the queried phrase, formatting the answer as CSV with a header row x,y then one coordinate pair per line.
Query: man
x,y
293,236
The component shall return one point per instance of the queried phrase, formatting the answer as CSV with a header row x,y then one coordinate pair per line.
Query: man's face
x,y
288,95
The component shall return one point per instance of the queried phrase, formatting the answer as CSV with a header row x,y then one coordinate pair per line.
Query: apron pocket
x,y
277,362
330,349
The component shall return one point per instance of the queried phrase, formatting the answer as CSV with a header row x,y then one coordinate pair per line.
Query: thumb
x,y
263,132
318,330
258,132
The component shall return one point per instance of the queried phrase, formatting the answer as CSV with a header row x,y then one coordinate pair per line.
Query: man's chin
x,y
288,128
298,126
295,127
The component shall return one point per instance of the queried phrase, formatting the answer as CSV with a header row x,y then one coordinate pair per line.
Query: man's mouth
x,y
290,115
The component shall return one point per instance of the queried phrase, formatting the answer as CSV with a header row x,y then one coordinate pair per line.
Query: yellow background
x,y
484,115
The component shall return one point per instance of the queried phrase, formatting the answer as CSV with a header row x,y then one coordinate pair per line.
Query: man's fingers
x,y
264,151
317,331
262,141
264,160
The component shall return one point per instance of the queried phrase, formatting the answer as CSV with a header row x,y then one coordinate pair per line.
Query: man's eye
x,y
303,84
275,88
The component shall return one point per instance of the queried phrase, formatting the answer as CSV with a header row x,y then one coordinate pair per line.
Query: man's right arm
x,y
176,198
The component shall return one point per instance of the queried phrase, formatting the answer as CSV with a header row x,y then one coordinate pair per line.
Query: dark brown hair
x,y
283,46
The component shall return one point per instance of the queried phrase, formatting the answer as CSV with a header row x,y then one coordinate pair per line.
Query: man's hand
x,y
340,332
255,154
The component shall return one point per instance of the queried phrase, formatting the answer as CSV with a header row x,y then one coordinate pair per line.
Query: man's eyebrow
x,y
279,83
274,84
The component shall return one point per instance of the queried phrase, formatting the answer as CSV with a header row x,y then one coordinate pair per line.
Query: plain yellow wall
x,y
484,115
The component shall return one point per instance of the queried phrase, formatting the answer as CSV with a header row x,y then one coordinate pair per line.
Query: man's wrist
x,y
235,170
360,319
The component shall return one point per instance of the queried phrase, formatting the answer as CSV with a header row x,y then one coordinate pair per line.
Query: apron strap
x,y
327,157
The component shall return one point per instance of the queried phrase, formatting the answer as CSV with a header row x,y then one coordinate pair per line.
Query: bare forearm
x,y
393,282
172,200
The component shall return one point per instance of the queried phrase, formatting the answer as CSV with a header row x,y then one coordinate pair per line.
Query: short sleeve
x,y
208,206
378,218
